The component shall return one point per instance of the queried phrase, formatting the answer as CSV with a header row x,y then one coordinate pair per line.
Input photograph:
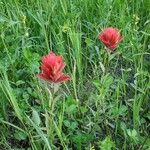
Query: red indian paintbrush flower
x,y
110,38
52,67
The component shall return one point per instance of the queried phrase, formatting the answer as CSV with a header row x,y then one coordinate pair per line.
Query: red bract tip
x,y
52,67
110,37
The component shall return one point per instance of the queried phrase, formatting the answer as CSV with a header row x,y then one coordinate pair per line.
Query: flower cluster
x,y
52,67
110,37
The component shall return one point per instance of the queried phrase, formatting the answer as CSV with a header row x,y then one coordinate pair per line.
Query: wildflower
x,y
110,37
52,67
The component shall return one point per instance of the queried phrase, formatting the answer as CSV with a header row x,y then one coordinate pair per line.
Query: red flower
x,y
110,37
52,67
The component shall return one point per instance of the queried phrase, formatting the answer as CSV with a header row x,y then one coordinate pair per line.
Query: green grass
x,y
105,106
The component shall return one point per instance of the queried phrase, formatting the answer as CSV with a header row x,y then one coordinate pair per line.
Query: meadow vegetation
x,y
105,105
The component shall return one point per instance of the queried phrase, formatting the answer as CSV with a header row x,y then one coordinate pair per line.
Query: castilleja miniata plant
x,y
110,37
52,72
52,67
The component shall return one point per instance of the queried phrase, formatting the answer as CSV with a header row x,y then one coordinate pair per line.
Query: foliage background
x,y
107,103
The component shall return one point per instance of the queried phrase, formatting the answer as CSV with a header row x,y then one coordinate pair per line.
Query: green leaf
x,y
19,82
106,144
20,135
35,117
66,123
133,135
